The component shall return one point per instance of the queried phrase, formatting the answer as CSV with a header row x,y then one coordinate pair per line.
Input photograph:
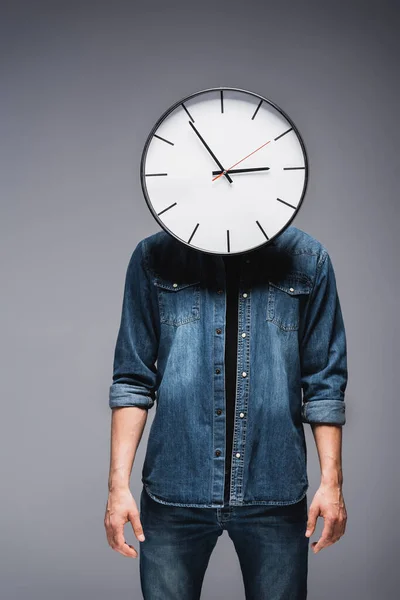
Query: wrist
x,y
332,477
117,484
114,489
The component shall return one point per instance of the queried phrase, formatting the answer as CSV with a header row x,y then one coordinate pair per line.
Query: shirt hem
x,y
253,503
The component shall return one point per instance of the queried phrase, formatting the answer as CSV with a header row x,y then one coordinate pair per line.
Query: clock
x,y
224,171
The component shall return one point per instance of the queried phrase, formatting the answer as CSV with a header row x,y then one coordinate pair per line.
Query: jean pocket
x,y
287,297
179,302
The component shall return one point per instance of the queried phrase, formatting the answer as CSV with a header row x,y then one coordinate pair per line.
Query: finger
x,y
118,539
135,555
326,535
313,514
126,549
121,546
109,531
134,519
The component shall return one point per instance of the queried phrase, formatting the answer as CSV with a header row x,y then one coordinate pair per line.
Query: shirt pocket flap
x,y
173,286
293,284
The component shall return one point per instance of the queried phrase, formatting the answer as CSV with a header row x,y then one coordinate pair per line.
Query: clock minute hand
x,y
243,170
242,159
222,172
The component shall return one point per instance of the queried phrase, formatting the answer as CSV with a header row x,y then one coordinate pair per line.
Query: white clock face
x,y
224,171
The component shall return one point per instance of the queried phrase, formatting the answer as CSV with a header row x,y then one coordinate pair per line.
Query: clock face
x,y
224,171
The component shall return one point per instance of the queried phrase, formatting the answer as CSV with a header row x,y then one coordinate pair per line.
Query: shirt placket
x,y
219,415
242,387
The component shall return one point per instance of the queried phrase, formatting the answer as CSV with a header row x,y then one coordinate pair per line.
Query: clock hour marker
x,y
156,174
284,133
227,240
163,139
168,207
257,109
287,203
193,232
222,101
188,113
292,168
262,230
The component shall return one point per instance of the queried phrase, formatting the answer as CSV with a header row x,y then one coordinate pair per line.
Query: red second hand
x,y
227,171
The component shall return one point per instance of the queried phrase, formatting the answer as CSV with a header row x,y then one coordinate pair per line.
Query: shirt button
x,y
244,374
218,330
243,334
217,452
237,454
218,371
174,285
219,291
219,411
241,415
291,289
244,295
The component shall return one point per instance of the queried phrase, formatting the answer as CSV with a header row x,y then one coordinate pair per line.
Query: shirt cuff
x,y
122,394
324,411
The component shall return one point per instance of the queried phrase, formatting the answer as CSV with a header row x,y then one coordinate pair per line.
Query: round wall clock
x,y
224,170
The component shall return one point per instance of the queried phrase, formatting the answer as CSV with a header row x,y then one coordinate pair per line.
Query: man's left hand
x,y
328,503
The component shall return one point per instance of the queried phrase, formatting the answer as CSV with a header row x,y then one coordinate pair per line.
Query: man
x,y
237,364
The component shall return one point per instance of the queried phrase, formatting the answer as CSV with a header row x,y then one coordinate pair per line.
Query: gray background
x,y
82,83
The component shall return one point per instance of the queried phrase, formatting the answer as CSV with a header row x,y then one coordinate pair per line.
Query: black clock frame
x,y
167,113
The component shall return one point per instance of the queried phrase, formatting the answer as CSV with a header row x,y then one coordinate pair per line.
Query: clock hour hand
x,y
222,171
242,170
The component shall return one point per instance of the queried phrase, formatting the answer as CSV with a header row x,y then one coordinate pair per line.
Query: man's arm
x,y
328,440
324,381
131,395
328,501
127,425
136,350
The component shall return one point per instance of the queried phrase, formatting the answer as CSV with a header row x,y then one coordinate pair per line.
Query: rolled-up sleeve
x,y
134,371
323,351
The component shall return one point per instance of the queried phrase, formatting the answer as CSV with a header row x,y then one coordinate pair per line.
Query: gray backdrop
x,y
82,83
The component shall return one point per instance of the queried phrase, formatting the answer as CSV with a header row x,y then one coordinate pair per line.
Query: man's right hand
x,y
121,508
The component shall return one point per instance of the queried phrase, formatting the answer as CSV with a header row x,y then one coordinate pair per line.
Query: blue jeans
x,y
270,543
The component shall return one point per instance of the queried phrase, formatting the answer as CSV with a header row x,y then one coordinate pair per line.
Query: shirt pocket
x,y
287,297
179,302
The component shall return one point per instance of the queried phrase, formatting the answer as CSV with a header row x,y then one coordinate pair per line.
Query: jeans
x,y
269,540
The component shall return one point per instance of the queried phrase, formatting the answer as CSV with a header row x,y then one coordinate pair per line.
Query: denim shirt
x,y
291,366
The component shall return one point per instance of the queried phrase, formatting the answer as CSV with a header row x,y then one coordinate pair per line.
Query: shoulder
x,y
299,243
155,242
153,239
164,256
296,241
142,251
160,239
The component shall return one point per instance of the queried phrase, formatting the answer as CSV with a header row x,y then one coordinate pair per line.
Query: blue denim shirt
x,y
291,366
